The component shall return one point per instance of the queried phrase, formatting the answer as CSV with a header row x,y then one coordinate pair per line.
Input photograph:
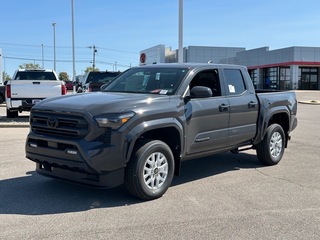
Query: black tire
x,y
1,99
12,114
157,158
271,149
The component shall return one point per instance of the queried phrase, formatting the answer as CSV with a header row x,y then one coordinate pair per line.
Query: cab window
x,y
207,78
234,81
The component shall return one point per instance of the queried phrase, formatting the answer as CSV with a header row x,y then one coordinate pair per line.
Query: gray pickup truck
x,y
150,119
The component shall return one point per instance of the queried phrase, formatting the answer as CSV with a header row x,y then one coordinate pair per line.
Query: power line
x,y
67,61
67,47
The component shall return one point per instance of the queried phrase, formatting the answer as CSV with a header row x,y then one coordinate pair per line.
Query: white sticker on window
x,y
163,91
231,89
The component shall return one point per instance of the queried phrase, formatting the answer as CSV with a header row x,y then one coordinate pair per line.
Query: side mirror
x,y
200,92
5,82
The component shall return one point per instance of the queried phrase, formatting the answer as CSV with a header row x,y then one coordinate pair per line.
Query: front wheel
x,y
150,170
270,150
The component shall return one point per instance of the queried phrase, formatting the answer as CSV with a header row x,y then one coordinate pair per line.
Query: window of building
x,y
254,77
284,78
234,80
308,78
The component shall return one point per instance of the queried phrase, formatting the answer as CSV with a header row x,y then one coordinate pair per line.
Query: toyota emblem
x,y
52,122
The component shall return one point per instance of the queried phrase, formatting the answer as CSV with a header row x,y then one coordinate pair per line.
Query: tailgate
x,y
22,89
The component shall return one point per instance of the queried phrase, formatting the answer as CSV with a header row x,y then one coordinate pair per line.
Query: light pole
x,y
180,51
54,46
73,51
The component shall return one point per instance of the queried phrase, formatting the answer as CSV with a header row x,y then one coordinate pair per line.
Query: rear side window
x,y
234,80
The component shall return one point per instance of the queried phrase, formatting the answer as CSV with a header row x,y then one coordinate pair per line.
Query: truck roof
x,y
191,65
34,70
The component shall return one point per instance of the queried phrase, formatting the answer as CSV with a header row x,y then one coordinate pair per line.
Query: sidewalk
x,y
21,121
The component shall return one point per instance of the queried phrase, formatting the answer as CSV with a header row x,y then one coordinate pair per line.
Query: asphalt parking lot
x,y
228,196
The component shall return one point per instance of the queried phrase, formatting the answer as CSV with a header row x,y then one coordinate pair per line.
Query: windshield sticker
x,y
163,91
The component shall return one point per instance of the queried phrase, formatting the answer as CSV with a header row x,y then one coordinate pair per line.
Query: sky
x,y
121,29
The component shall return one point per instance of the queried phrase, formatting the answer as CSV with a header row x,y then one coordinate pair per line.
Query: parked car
x,y
69,85
150,119
92,81
30,86
2,93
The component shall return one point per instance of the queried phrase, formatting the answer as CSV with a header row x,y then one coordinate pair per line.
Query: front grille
x,y
57,124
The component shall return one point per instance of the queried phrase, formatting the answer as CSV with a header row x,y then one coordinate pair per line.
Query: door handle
x,y
252,104
224,108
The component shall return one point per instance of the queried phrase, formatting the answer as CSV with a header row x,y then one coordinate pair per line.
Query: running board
x,y
237,150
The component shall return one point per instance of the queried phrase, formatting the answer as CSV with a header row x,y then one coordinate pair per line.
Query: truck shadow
x,y
37,195
196,169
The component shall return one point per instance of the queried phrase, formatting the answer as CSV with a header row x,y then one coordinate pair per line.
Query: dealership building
x,y
291,68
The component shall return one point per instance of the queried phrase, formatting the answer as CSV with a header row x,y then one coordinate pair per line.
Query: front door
x,y
207,118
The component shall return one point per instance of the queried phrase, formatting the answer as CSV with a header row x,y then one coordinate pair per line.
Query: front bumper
x,y
92,163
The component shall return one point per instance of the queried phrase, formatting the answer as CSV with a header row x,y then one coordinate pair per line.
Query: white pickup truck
x,y
28,87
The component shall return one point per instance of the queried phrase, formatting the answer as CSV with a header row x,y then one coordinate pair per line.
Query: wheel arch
x,y
278,116
168,131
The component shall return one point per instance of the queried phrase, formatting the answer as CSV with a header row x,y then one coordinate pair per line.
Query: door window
x,y
208,78
234,81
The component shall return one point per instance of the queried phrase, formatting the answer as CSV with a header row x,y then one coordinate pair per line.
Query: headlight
x,y
114,120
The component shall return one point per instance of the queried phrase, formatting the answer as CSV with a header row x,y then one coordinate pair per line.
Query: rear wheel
x,y
12,114
150,171
270,150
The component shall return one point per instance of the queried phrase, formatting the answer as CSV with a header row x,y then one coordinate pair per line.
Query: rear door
x,y
207,118
243,107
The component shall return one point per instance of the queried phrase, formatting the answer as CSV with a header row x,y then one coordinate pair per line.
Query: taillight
x,y
90,88
8,91
63,89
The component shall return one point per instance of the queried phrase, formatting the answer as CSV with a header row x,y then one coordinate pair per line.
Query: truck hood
x,y
101,102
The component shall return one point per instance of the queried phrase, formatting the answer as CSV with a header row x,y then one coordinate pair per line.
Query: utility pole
x,y
42,56
94,57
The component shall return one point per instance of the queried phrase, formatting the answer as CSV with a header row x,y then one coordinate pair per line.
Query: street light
x,y
54,46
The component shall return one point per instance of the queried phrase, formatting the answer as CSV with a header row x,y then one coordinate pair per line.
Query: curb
x,y
14,123
312,102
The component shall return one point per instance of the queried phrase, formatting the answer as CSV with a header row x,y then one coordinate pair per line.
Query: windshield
x,y
149,80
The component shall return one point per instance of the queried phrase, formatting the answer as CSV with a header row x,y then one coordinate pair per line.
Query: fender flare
x,y
264,119
134,134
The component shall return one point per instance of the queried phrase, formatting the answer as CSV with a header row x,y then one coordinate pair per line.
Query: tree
x,y
90,69
29,66
5,76
63,76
